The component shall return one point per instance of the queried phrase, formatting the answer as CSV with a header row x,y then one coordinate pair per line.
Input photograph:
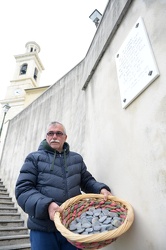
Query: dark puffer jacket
x,y
48,176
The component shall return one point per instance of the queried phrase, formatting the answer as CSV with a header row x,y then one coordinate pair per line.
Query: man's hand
x,y
52,209
105,192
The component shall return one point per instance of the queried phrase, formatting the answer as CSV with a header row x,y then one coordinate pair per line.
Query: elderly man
x,y
48,178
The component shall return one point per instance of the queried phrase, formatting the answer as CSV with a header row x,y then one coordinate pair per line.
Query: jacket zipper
x,y
64,175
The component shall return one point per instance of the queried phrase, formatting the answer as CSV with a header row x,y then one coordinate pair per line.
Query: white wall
x,y
125,148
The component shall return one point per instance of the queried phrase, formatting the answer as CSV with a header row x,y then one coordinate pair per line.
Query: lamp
x,y
6,107
96,17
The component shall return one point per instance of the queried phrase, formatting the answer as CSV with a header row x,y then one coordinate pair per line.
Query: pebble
x,y
103,218
95,220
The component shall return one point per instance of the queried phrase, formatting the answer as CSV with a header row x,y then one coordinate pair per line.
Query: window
x,y
35,74
23,69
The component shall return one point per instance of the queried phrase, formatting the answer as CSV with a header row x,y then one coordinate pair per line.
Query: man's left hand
x,y
106,193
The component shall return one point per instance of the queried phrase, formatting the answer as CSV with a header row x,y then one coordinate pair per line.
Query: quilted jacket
x,y
48,176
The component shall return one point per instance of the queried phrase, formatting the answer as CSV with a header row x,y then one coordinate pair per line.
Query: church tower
x,y
27,76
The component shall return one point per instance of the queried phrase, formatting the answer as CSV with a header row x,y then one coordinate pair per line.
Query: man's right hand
x,y
52,209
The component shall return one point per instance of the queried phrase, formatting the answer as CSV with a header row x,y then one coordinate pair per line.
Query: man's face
x,y
56,137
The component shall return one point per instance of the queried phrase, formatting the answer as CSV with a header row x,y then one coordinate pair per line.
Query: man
x,y
48,178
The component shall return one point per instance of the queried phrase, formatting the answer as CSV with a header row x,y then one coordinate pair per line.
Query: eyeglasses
x,y
57,133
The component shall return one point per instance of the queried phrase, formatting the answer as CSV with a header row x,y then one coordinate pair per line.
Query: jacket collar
x,y
45,146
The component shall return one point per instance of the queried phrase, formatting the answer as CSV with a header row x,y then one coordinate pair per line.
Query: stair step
x,y
13,239
8,216
3,189
4,194
9,223
13,231
16,247
4,204
14,235
8,209
5,199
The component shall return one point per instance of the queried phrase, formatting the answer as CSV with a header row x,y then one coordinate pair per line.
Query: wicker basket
x,y
74,207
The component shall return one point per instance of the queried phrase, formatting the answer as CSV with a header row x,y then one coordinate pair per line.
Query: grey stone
x,y
72,227
86,225
89,230
110,227
95,221
116,223
105,212
78,225
108,220
89,212
112,214
103,218
80,230
97,228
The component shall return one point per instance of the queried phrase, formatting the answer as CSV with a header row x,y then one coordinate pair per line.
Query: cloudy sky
x,y
62,28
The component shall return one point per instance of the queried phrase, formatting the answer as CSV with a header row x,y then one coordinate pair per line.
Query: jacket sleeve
x,y
28,197
89,183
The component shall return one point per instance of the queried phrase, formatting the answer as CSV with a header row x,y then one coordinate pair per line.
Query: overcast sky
x,y
62,29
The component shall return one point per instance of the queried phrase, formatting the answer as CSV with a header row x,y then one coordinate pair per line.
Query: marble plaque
x,y
135,63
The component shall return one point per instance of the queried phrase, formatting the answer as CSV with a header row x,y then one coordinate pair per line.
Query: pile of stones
x,y
95,220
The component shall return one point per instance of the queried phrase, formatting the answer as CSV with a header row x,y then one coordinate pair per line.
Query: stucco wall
x,y
125,148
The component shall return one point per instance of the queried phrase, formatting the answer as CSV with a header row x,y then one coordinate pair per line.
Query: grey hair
x,y
54,124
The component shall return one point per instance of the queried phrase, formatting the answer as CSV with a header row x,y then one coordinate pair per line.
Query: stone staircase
x,y
13,233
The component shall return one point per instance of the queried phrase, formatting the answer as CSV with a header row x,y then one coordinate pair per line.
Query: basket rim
x,y
89,238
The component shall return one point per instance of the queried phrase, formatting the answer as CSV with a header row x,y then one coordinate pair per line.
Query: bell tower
x,y
26,76
28,70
